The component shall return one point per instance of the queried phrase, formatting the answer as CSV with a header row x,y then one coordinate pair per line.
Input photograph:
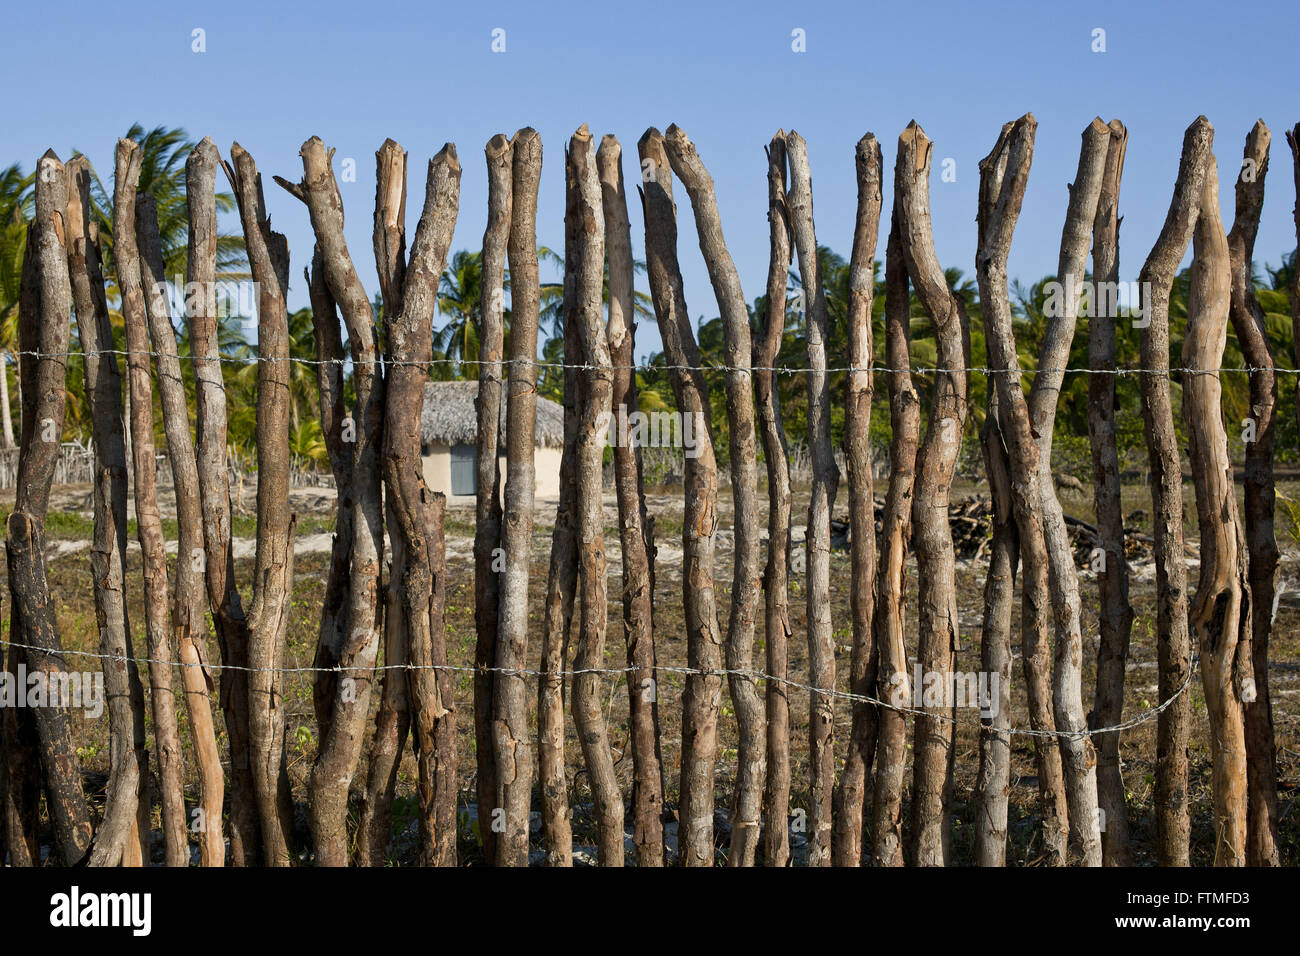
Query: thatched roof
x,y
449,416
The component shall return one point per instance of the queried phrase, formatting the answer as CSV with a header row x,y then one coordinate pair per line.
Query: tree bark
x,y
1248,323
700,701
1174,722
1115,617
420,515
513,772
268,617
22,770
1004,174
817,538
487,512
635,530
1078,757
896,533
992,786
118,829
935,465
776,793
393,722
1220,611
742,685
329,383
1003,177
228,617
189,607
148,521
343,735
1293,140
585,220
562,575
851,794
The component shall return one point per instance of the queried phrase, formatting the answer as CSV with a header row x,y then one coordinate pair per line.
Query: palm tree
x,y
163,152
16,204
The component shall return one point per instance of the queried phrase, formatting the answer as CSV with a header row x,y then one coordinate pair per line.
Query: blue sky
x,y
274,74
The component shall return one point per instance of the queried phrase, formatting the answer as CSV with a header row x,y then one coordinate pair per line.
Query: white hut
x,y
449,440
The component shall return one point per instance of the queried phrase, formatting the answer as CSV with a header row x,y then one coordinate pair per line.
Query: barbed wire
x,y
646,367
1129,724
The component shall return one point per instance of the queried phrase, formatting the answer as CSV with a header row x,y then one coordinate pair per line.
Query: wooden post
x,y
635,530
512,786
228,616
777,631
1248,323
588,227
1173,729
158,634
935,465
691,394
748,703
1115,616
268,617
850,796
893,677
1078,758
393,722
189,618
420,513
117,839
1220,612
487,486
817,539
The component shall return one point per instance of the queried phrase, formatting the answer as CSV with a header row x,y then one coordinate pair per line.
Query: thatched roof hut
x,y
449,417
